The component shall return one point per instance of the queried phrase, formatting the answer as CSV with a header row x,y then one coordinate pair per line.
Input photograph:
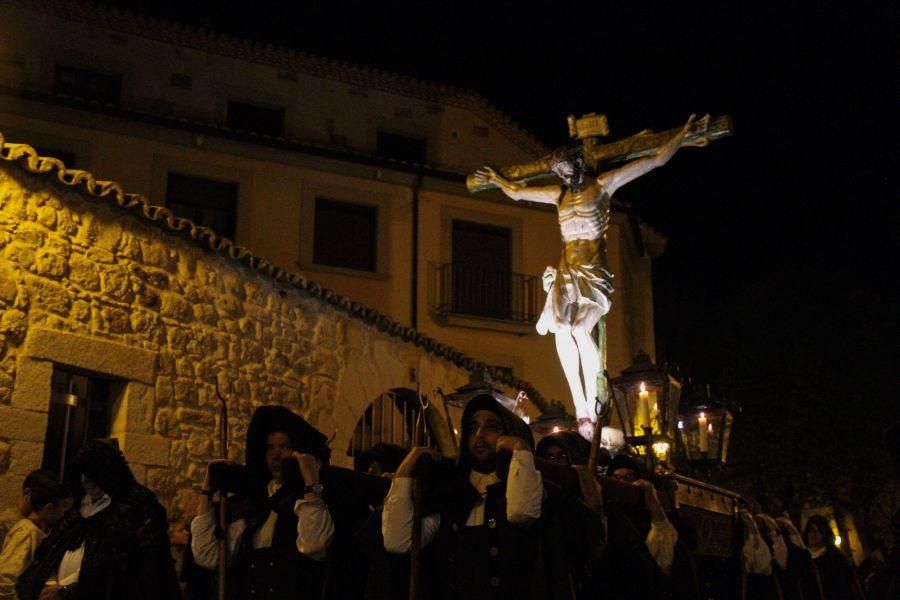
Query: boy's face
x,y
24,504
53,511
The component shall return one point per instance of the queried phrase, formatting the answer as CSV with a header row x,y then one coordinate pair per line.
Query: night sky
x,y
780,237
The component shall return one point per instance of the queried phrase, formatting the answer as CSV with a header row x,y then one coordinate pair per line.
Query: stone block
x,y
19,253
49,296
175,307
49,263
81,311
84,273
13,324
10,489
26,425
31,234
26,457
116,283
32,386
115,320
146,449
92,353
5,449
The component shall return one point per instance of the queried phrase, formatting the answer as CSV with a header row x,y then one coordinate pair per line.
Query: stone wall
x,y
88,284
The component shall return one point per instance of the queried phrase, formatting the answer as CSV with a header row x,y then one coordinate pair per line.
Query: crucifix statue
x,y
579,290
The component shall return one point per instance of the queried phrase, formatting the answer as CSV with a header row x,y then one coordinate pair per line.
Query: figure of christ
x,y
578,292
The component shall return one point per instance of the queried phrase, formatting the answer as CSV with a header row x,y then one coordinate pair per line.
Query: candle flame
x,y
709,427
556,429
643,387
702,416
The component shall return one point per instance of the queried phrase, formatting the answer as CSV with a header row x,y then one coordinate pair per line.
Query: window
x,y
481,270
206,202
87,84
345,235
74,425
180,80
68,158
401,147
256,119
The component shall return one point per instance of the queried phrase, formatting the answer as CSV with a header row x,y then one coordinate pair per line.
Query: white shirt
x,y
757,558
70,565
660,543
524,495
315,530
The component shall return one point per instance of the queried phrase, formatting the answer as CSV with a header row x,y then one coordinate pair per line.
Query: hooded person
x,y
115,545
279,524
565,447
499,544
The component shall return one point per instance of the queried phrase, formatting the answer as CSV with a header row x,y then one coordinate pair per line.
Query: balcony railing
x,y
471,290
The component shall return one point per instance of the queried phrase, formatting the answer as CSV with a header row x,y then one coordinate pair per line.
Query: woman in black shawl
x,y
836,573
114,546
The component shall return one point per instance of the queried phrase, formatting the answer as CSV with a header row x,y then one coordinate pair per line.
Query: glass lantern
x,y
646,406
704,428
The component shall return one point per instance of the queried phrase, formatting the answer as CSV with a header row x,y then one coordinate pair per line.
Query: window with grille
x,y
391,419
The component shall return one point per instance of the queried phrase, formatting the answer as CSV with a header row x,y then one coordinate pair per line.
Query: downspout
x,y
414,301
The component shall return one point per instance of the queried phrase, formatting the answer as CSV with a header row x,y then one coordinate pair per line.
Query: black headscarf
x,y
577,448
103,464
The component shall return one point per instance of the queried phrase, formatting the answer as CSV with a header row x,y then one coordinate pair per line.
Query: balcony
x,y
473,296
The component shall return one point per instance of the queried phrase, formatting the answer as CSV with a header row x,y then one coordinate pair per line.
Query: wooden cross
x,y
639,145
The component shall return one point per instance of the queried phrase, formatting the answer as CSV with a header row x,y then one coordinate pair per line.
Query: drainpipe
x,y
414,301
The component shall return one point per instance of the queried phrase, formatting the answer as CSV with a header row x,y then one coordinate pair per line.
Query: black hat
x,y
273,418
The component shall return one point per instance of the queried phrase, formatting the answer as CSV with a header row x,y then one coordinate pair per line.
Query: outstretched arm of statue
x,y
548,194
613,180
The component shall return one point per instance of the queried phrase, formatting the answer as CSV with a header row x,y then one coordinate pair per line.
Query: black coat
x,y
126,555
838,576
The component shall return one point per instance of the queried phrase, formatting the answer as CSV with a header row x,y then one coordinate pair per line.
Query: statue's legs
x,y
567,349
586,318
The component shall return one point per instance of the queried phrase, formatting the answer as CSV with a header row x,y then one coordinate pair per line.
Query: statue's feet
x,y
586,428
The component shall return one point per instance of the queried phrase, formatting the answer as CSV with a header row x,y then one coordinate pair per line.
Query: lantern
x,y
704,428
553,420
646,406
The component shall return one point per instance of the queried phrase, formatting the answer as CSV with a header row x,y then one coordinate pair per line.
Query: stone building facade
x,y
146,102
101,282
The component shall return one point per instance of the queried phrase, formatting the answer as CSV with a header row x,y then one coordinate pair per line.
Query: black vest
x,y
280,571
494,561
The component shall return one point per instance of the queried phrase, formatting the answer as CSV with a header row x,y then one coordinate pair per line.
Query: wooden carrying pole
x,y
223,509
415,550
